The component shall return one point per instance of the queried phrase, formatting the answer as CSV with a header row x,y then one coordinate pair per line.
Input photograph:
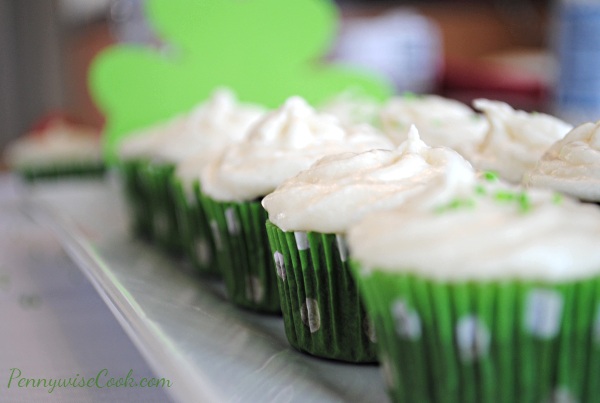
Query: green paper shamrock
x,y
265,50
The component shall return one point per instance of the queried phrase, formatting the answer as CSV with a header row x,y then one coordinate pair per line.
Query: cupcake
x,y
222,123
56,147
515,139
571,165
494,297
309,215
134,157
184,144
441,121
285,142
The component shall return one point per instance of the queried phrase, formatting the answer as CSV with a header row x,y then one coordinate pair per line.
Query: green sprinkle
x,y
524,202
455,205
490,176
480,190
504,196
437,122
557,198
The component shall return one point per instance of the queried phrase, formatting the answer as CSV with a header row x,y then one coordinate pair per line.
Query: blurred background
x,y
458,48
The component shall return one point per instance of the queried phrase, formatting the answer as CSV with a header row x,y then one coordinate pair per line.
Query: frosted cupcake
x,y
494,297
309,215
571,165
134,156
55,148
219,124
185,144
441,121
515,140
285,142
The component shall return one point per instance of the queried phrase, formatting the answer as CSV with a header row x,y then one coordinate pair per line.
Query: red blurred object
x,y
469,79
51,119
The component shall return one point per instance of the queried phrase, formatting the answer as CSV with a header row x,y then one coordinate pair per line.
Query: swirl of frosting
x,y
571,165
441,121
487,239
285,142
201,133
340,189
59,143
515,139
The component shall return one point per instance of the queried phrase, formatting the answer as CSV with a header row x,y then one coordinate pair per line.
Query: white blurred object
x,y
128,22
78,11
402,45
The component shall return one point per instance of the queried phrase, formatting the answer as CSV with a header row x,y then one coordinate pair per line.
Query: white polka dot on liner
x,y
472,338
280,265
233,225
310,314
543,312
301,240
203,252
407,321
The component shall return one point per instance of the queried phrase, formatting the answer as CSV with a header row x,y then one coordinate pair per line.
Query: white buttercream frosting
x,y
526,236
201,133
352,108
441,121
285,142
516,139
58,144
571,165
340,189
143,142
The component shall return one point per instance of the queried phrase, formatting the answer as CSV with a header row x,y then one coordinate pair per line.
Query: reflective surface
x,y
184,327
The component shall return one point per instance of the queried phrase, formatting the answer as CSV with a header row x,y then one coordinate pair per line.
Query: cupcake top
x,y
340,189
441,121
285,142
201,134
571,165
497,234
516,139
142,143
352,108
56,141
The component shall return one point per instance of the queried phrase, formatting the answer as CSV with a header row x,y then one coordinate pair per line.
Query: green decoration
x,y
265,50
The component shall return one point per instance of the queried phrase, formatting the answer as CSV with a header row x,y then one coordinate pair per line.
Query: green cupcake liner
x,y
194,229
63,170
243,253
322,310
137,198
156,181
485,342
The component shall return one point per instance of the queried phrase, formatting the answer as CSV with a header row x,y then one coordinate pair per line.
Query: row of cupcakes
x,y
462,275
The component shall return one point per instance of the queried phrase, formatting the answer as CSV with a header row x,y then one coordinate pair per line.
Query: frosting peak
x,y
296,125
413,143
